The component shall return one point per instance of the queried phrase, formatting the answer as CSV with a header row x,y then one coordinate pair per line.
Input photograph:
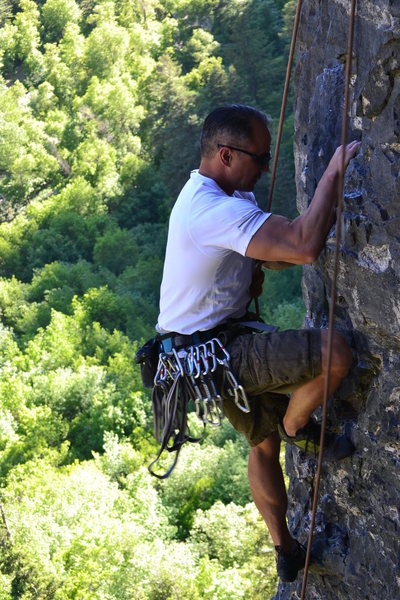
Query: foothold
x,y
375,258
368,231
384,214
377,92
396,117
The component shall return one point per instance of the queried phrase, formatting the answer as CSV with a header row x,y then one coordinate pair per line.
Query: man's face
x,y
246,169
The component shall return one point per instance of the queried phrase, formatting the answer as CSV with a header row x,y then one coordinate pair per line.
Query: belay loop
x,y
186,379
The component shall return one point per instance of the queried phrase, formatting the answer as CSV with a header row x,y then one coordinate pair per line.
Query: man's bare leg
x,y
309,396
265,474
268,489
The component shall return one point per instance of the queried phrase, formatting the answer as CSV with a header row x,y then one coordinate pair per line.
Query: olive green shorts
x,y
269,366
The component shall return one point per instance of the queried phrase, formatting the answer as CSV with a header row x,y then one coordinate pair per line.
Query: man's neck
x,y
207,170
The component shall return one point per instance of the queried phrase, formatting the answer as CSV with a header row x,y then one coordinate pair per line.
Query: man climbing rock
x,y
217,233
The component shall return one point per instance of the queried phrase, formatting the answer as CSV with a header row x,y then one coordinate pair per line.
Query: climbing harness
x,y
191,373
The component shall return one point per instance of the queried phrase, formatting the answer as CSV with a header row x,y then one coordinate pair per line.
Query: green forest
x,y
101,106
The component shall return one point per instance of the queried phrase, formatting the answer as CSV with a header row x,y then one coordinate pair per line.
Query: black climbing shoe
x,y
288,565
307,439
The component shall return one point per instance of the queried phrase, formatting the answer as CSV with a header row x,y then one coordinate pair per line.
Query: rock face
x,y
357,528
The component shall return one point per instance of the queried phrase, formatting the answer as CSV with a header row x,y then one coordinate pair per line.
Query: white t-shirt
x,y
206,275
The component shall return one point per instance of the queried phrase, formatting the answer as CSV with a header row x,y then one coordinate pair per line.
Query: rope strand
x,y
281,119
333,289
284,102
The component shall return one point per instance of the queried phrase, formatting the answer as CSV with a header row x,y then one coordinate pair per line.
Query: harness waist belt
x,y
180,340
225,330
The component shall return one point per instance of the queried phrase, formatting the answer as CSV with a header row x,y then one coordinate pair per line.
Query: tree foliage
x,y
101,106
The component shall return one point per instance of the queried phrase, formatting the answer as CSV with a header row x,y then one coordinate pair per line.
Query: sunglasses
x,y
261,159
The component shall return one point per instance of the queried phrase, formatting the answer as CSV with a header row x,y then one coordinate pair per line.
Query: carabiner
x,y
204,357
213,416
226,353
239,393
178,362
198,368
190,361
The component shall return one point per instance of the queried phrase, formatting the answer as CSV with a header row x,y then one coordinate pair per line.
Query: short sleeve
x,y
225,223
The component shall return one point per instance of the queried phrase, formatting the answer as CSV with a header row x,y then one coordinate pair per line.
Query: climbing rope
x,y
281,120
337,245
333,288
284,102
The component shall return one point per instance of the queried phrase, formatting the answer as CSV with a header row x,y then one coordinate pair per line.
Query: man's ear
x,y
225,156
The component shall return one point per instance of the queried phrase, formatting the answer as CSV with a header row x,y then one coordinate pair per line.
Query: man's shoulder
x,y
207,189
200,194
203,185
249,196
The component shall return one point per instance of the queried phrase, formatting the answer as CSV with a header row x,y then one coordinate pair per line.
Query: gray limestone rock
x,y
357,531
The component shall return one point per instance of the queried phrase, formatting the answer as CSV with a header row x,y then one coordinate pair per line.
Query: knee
x,y
342,357
268,450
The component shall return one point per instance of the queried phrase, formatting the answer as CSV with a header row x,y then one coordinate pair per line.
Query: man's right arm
x,y
300,241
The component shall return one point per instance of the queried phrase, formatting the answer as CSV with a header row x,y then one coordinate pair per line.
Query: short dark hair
x,y
229,124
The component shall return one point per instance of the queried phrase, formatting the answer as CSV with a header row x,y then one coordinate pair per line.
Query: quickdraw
x,y
185,378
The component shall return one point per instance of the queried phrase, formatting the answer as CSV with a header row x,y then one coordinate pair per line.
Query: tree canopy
x,y
101,107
